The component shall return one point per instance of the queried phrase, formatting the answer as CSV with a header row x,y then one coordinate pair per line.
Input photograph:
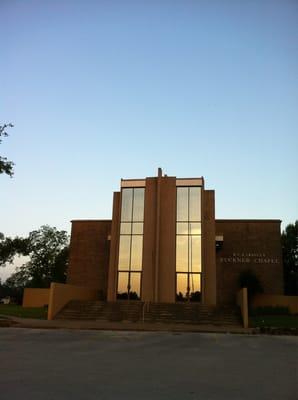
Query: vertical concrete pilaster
x,y
167,241
112,277
149,257
209,247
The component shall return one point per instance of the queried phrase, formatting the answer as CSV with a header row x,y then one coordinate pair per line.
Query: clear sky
x,y
100,90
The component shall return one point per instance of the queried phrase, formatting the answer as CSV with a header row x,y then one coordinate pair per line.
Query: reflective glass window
x,y
194,283
136,252
126,206
135,284
195,254
195,228
138,204
181,253
182,228
182,204
131,243
191,228
137,228
124,252
194,204
125,228
122,282
181,285
188,244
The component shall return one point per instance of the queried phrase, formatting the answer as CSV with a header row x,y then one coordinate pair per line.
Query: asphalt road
x,y
64,364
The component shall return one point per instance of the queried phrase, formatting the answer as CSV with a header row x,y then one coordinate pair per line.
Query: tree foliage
x,y
47,249
289,240
6,167
248,279
48,256
9,248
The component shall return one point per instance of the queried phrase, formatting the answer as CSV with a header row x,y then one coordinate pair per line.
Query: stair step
x,y
186,313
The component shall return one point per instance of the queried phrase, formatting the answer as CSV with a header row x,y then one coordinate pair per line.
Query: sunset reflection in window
x,y
131,244
188,244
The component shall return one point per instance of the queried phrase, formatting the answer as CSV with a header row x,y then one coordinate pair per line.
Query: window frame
x,y
189,235
131,235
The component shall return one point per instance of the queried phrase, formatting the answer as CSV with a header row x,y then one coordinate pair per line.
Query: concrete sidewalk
x,y
121,326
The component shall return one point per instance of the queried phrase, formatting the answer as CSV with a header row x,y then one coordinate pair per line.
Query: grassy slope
x,y
23,312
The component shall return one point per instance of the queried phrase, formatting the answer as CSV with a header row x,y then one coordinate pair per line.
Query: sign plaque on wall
x,y
249,258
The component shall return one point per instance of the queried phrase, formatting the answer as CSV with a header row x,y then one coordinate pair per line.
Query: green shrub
x,y
248,279
270,310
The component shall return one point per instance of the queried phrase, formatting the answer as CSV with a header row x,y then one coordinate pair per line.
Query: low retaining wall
x,y
243,304
264,300
36,297
61,294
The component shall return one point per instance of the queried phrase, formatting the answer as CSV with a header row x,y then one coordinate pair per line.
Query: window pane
x,y
138,204
195,228
194,283
122,282
135,284
124,251
126,207
182,253
181,285
125,228
194,204
182,204
136,253
137,228
195,254
182,228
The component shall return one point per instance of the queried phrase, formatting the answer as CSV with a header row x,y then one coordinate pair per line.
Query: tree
x,y
6,167
289,241
48,257
48,252
248,279
9,248
14,286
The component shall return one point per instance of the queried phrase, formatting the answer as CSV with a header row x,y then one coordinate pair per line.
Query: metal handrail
x,y
146,306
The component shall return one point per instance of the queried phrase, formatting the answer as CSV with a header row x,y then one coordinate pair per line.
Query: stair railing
x,y
146,306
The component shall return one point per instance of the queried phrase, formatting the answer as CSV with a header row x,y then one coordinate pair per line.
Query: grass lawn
x,y
23,312
274,321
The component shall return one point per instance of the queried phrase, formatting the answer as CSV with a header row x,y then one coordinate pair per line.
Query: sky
x,y
103,90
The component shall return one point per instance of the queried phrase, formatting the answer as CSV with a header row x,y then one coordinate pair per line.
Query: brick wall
x,y
89,254
248,244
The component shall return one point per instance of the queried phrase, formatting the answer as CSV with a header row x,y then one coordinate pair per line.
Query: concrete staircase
x,y
185,313
103,311
192,313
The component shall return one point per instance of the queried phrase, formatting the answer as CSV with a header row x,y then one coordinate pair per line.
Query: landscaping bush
x,y
248,279
270,310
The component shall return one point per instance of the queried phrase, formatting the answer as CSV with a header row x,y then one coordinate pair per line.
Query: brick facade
x,y
89,254
248,244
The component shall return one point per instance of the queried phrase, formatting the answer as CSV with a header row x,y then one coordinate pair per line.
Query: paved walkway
x,y
121,326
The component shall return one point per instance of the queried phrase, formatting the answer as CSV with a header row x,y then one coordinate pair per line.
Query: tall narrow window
x,y
188,244
131,244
